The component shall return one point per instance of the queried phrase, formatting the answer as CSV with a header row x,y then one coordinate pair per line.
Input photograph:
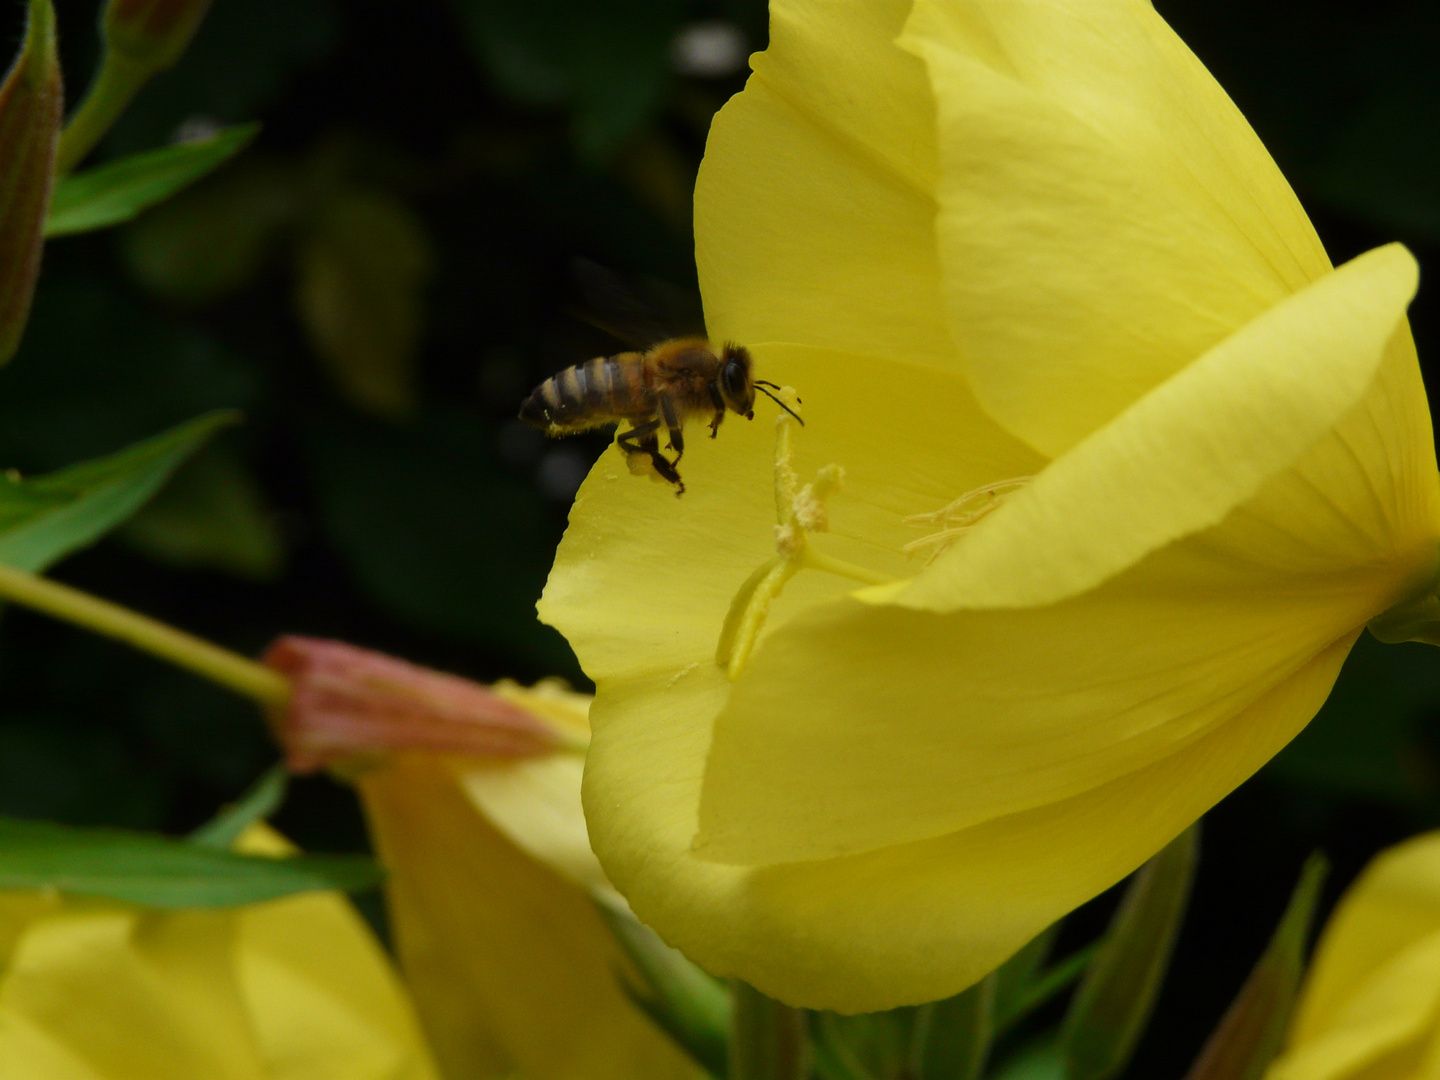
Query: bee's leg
x,y
672,424
664,466
634,440
719,403
641,439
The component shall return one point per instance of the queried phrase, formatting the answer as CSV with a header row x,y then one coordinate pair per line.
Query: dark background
x,y
426,173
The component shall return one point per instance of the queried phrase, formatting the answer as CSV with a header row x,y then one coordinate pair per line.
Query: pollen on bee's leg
x,y
959,516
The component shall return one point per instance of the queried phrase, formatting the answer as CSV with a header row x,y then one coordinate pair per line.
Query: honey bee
x,y
663,386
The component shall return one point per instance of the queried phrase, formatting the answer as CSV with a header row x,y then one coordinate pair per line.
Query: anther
x,y
799,511
959,516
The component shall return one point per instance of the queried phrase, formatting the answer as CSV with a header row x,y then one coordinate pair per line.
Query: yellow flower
x,y
1370,1006
474,810
1110,469
293,989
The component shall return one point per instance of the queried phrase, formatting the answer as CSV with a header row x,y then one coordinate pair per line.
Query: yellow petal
x,y
907,923
322,996
1106,214
1185,455
294,989
814,207
510,965
1008,710
129,993
642,581
1394,903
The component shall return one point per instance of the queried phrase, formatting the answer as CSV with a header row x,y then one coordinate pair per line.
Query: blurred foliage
x,y
379,279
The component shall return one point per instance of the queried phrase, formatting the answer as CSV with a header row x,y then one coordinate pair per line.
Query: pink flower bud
x,y
348,704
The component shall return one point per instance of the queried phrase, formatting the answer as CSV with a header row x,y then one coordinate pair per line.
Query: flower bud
x,y
31,103
349,704
151,33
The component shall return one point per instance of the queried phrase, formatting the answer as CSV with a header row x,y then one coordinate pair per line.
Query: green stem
x,y
767,1039
116,84
264,685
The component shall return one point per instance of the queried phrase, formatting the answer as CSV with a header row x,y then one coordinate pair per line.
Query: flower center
x,y
959,516
799,511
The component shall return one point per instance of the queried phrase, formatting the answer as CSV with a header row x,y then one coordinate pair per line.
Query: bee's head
x,y
736,386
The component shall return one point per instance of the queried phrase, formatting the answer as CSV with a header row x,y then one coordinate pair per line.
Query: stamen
x,y
959,516
799,511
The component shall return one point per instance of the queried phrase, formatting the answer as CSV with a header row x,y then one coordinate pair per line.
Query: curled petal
x,y
1106,214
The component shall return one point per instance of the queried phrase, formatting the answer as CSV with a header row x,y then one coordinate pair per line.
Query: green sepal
x,y
952,1038
768,1040
157,871
865,1046
1253,1028
691,1006
47,517
31,106
117,191
1114,1001
261,800
1041,988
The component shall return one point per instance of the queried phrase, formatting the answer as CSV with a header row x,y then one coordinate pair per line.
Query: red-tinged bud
x,y
31,106
349,704
151,33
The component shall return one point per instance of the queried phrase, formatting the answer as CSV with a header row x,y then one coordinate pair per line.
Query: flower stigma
x,y
959,516
799,511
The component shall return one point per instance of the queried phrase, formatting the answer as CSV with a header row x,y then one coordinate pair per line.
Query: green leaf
x,y
212,515
360,275
1042,987
119,190
866,1046
691,1006
258,803
1041,1059
1113,1003
44,518
156,871
952,1038
1251,1032
1013,978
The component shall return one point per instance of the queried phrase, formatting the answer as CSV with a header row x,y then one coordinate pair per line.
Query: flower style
x,y
1110,468
292,989
1370,1006
472,795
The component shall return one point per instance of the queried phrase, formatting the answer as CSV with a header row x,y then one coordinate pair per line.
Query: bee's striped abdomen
x,y
597,392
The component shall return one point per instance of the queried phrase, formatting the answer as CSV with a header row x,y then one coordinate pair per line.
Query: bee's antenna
x,y
761,387
767,382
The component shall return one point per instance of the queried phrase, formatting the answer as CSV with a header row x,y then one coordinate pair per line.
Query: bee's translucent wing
x,y
610,304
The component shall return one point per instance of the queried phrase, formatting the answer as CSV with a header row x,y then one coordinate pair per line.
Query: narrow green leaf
x,y
835,1057
1043,987
768,1040
1041,1059
1013,978
116,192
691,1006
157,871
1113,1003
31,104
952,1038
44,518
1251,1032
258,803
877,1045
